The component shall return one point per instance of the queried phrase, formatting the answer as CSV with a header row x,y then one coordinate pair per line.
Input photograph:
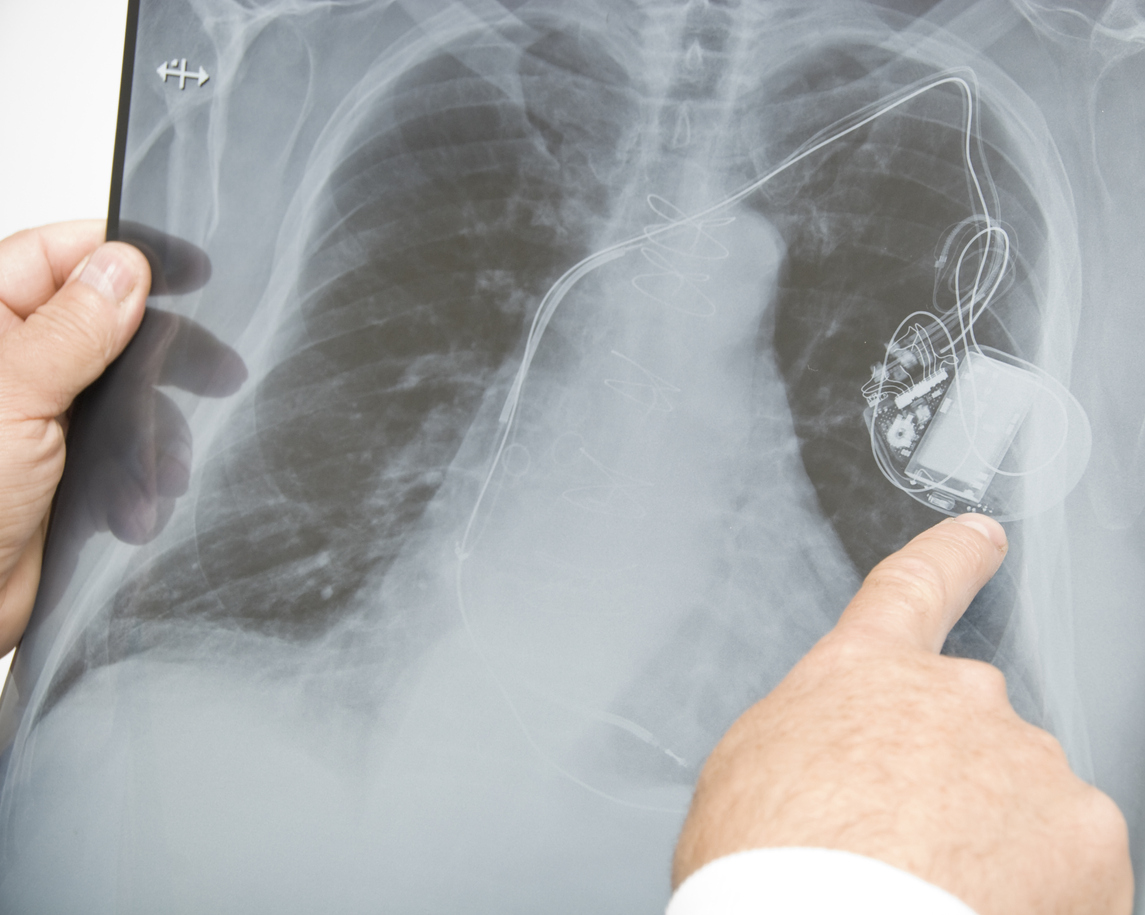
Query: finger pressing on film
x,y
915,596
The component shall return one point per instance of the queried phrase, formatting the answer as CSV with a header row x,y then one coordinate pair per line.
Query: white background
x,y
59,93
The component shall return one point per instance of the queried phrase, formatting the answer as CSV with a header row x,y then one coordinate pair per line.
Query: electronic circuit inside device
x,y
945,431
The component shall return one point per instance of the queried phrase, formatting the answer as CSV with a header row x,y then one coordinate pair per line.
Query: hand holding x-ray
x,y
877,745
61,325
142,440
64,315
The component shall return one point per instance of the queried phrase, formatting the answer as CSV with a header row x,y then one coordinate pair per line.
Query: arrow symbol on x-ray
x,y
169,69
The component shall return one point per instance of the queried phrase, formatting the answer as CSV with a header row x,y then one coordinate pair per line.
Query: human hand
x,y
68,306
135,444
130,447
876,744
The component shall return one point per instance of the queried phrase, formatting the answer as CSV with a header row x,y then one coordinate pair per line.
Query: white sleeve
x,y
808,881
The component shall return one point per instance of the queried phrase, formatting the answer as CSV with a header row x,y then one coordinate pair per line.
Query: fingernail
x,y
109,274
986,526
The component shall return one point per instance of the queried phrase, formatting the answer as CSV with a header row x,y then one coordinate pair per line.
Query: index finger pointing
x,y
35,263
915,596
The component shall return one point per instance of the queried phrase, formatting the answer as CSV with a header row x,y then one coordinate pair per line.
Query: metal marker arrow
x,y
165,70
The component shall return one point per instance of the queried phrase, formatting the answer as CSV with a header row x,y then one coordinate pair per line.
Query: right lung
x,y
453,210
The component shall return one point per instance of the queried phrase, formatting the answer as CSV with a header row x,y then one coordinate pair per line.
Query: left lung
x,y
864,220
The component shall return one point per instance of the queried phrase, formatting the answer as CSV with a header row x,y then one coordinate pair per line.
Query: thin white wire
x,y
552,299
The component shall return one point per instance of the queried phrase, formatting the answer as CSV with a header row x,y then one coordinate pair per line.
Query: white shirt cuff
x,y
808,881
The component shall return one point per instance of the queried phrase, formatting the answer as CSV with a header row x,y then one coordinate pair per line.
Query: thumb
x,y
66,343
915,596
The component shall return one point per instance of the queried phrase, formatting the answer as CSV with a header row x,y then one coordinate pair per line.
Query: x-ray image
x,y
526,386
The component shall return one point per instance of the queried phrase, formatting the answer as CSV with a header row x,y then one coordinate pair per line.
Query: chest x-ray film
x,y
526,387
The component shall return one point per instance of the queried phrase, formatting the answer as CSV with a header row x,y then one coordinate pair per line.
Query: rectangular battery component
x,y
975,426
